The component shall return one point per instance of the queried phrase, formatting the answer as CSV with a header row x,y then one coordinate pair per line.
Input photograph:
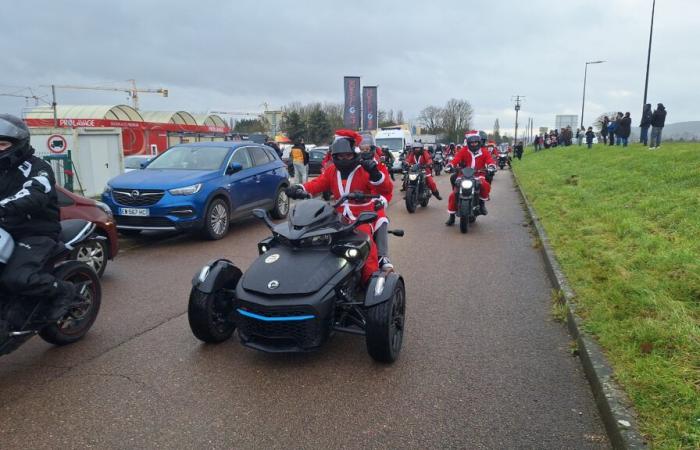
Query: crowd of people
x,y
613,131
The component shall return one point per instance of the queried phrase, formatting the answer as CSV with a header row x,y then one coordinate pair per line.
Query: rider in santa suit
x,y
419,155
351,173
477,157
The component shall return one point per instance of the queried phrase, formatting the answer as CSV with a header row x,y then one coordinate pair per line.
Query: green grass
x,y
625,226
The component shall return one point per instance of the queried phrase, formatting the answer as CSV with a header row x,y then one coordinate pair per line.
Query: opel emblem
x,y
135,193
274,284
272,258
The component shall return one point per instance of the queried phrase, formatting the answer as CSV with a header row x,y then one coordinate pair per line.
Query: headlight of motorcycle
x,y
105,208
187,190
467,184
413,176
323,239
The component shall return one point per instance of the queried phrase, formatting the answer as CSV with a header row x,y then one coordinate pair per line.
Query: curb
x,y
613,404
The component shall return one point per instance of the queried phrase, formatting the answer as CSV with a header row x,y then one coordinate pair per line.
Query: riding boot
x,y
450,220
482,207
436,194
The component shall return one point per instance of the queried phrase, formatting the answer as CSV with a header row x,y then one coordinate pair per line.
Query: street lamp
x,y
585,75
651,32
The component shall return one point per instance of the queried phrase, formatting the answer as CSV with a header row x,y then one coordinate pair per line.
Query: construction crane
x,y
237,113
36,98
133,91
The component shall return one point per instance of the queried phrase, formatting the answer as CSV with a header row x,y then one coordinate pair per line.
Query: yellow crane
x,y
133,91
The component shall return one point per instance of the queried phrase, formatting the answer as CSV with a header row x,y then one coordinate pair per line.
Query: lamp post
x,y
651,32
585,75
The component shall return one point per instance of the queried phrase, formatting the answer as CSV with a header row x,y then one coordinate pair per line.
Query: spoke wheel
x,y
92,253
216,221
281,207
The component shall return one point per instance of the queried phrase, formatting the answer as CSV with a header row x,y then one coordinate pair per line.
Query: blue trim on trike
x,y
273,319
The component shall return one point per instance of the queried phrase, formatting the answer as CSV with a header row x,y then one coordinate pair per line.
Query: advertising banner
x,y
369,108
351,113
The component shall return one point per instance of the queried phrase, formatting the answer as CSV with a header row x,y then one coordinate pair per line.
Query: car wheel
x,y
216,221
93,253
281,207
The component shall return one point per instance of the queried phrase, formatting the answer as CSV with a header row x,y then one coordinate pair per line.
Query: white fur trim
x,y
377,183
451,212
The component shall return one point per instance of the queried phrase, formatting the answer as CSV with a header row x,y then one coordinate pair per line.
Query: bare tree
x,y
431,118
457,118
399,117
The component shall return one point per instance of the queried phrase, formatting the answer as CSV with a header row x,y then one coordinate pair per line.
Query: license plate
x,y
141,212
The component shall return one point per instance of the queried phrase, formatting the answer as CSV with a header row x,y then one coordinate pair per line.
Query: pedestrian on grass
x,y
612,128
579,136
589,137
624,129
604,129
537,143
658,120
645,124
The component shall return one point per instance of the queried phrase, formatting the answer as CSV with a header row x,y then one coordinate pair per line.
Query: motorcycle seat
x,y
74,231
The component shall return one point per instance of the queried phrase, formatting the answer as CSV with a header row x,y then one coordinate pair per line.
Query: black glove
x,y
370,166
296,191
2,212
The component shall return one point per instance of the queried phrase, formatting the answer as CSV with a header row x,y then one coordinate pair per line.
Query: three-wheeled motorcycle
x,y
304,287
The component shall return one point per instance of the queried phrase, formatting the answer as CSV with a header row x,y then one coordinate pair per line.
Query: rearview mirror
x,y
233,168
366,217
143,164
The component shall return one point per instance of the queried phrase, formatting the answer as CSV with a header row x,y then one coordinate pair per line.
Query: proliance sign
x,y
369,108
99,123
351,113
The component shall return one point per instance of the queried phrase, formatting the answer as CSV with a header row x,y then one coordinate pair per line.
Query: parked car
x,y
135,162
199,187
316,156
97,252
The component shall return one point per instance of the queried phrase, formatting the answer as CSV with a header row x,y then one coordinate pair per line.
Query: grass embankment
x,y
625,226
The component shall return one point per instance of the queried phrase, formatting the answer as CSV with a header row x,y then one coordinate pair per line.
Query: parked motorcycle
x,y
438,162
305,286
21,317
468,187
503,159
417,192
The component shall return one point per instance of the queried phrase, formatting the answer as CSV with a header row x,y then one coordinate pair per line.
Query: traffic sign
x,y
57,144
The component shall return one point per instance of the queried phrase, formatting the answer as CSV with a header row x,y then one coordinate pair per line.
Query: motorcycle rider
x,y
477,157
351,173
419,155
29,213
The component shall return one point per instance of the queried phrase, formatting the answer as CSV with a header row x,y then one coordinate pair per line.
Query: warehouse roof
x,y
111,112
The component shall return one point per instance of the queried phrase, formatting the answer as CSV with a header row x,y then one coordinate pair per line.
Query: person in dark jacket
x,y
658,120
589,137
272,144
616,130
645,124
29,213
624,128
604,129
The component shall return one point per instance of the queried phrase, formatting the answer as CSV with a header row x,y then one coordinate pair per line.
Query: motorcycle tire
x,y
425,202
385,326
411,200
72,328
208,321
463,224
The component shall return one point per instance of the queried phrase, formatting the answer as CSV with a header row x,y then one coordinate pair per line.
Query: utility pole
x,y
651,32
585,75
517,99
53,105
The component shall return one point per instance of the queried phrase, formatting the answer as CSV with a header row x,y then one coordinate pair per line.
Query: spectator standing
x,y
658,120
645,124
612,130
624,129
536,142
589,137
604,129
300,160
579,136
519,150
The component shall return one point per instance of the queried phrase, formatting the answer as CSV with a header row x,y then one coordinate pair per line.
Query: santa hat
x,y
349,134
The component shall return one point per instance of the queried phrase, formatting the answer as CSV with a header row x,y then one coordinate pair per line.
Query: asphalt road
x,y
483,364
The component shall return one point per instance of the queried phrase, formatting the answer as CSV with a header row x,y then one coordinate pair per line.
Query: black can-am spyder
x,y
304,286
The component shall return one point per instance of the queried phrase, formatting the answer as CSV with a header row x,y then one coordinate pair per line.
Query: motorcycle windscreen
x,y
283,271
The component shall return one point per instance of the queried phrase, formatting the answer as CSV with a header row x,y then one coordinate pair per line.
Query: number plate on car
x,y
142,212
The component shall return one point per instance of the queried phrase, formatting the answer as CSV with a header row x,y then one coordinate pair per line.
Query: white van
x,y
396,138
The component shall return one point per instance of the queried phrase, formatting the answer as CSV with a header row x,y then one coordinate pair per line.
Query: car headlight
x,y
108,189
187,190
467,184
413,176
105,208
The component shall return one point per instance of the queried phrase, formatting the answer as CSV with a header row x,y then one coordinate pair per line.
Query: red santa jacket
x,y
463,158
483,159
424,159
357,181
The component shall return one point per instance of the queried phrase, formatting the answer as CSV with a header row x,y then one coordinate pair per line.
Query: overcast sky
x,y
236,55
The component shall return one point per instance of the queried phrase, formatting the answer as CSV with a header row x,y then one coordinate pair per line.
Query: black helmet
x,y
15,131
473,142
344,146
452,145
484,137
417,147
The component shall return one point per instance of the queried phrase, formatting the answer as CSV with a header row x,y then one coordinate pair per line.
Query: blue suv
x,y
199,187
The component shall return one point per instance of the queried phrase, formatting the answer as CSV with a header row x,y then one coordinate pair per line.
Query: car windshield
x,y
317,155
190,158
392,143
134,163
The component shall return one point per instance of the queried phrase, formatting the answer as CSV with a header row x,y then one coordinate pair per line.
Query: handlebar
x,y
355,196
